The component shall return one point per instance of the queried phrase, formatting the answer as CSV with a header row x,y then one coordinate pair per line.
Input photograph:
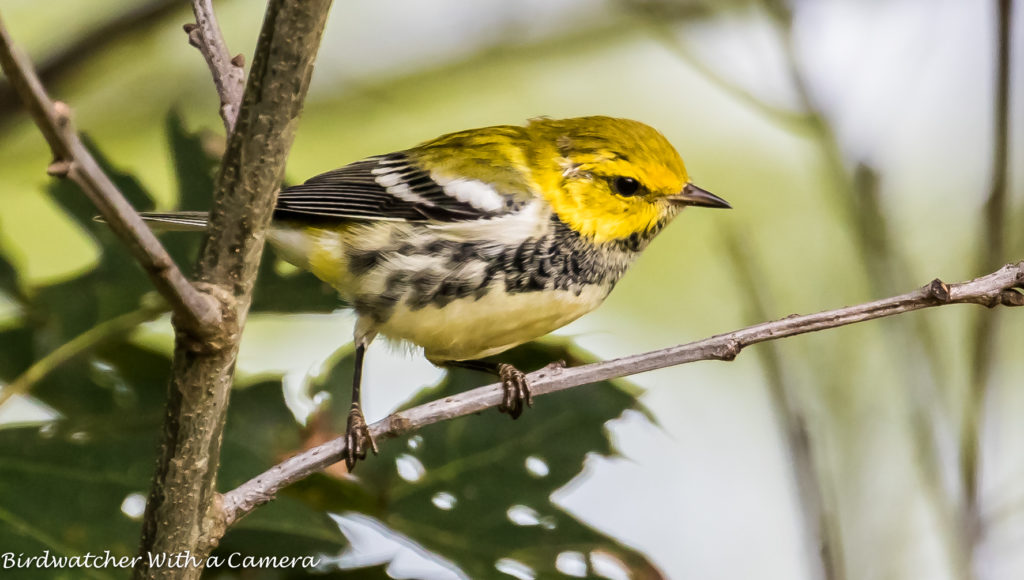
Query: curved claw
x,y
516,390
357,438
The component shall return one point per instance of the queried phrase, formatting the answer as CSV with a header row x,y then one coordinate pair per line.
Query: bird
x,y
479,240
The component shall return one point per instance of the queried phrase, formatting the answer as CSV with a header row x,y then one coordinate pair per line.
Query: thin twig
x,y
993,235
227,72
197,312
80,345
1002,287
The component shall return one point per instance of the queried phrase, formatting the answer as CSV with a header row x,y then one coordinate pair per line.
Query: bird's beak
x,y
693,195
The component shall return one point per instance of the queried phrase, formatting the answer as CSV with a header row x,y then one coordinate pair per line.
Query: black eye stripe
x,y
626,186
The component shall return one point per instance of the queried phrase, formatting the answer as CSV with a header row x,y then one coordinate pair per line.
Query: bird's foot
x,y
357,438
516,390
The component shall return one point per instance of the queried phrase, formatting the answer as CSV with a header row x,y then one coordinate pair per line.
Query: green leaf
x,y
105,450
64,483
71,198
283,528
477,489
194,169
261,432
117,283
60,312
9,279
16,352
195,166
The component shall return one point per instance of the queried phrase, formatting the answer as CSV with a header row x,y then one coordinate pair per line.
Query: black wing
x,y
386,187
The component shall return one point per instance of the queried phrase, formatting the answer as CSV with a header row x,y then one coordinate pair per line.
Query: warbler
x,y
478,241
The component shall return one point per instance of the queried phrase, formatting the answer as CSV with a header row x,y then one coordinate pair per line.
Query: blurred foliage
x,y
477,489
498,474
852,138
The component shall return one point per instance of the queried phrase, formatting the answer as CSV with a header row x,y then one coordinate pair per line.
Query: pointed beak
x,y
693,195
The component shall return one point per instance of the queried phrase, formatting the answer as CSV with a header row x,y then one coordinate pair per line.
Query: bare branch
x,y
182,512
196,312
1002,287
227,72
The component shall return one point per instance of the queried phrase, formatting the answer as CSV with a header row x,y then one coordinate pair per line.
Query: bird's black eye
x,y
626,186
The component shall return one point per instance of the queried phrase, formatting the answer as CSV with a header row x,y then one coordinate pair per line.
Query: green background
x,y
863,121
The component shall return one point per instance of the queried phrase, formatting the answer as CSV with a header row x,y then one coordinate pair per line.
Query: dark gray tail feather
x,y
174,221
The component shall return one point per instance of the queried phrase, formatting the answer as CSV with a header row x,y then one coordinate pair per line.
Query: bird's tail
x,y
177,221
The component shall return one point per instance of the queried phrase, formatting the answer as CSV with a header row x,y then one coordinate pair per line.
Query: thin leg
x,y
513,383
357,435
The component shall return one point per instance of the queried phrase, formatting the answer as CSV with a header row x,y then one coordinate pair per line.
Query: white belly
x,y
468,329
462,329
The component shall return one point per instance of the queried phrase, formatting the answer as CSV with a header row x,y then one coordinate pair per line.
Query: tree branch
x,y
1002,287
227,72
196,312
182,512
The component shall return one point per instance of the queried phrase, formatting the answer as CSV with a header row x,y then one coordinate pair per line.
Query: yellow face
x,y
613,177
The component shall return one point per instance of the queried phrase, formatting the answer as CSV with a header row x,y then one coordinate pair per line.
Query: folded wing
x,y
390,187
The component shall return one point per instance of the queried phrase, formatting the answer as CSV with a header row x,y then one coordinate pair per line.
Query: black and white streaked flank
x,y
388,187
419,256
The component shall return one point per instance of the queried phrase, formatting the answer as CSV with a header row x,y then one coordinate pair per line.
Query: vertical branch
x,y
993,235
820,516
183,511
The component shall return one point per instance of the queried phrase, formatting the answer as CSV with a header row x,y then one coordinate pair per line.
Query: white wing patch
x,y
532,221
474,192
392,187
393,181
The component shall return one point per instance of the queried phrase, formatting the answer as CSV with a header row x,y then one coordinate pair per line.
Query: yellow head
x,y
610,178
